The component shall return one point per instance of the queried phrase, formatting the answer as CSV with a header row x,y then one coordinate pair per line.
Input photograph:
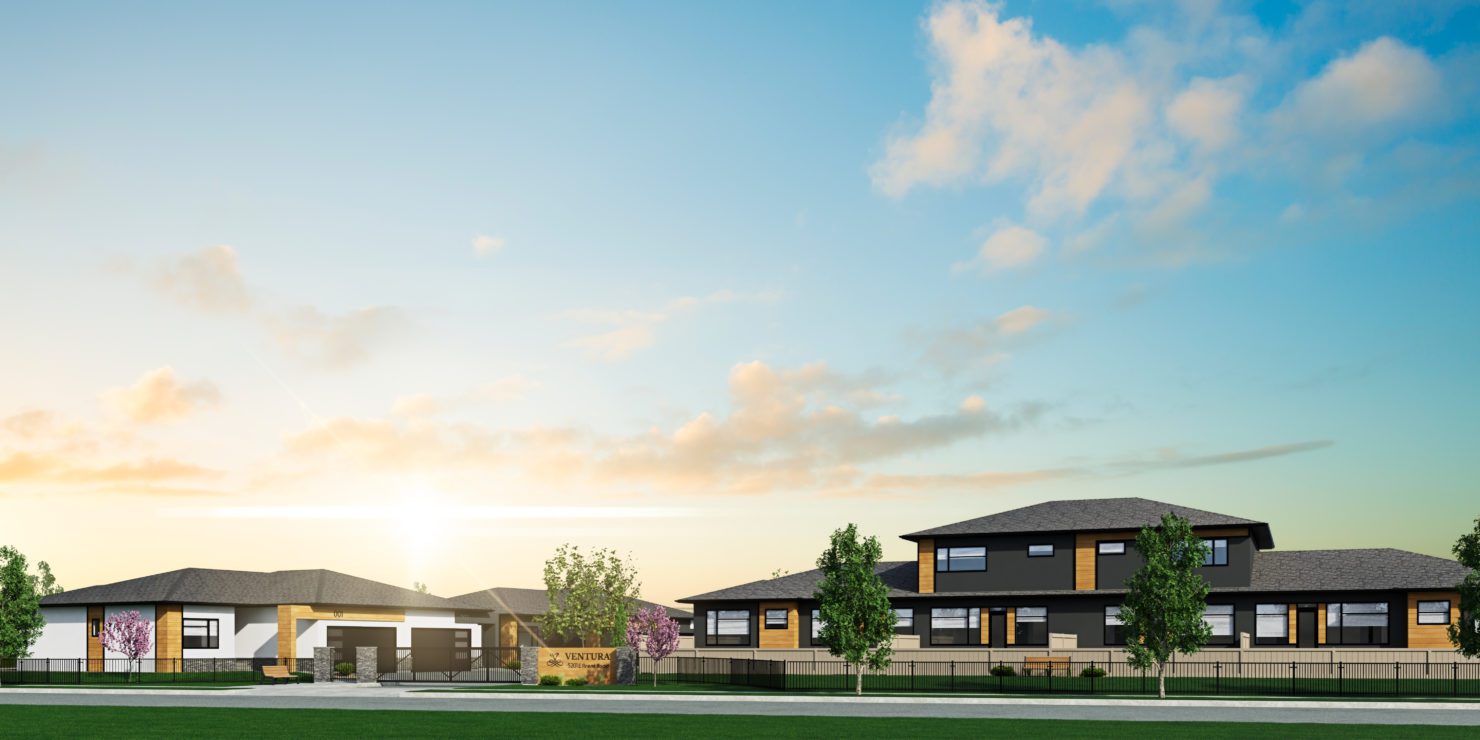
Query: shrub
x,y
1003,670
549,680
513,664
1093,671
344,669
575,681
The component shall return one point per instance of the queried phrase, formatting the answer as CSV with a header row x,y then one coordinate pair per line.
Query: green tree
x,y
590,596
1465,634
20,604
46,583
419,587
1166,598
853,603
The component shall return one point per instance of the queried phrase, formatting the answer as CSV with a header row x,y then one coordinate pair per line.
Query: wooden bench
x,y
275,672
1046,665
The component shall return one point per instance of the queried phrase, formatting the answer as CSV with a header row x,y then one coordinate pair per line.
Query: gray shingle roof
x,y
1090,515
244,587
1380,569
508,600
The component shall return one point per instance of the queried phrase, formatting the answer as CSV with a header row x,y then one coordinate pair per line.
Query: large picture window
x,y
728,627
904,620
1217,553
200,634
1219,618
1357,624
951,559
1032,626
1433,612
1114,626
955,626
1272,624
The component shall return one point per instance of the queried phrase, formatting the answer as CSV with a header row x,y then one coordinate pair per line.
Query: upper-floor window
x,y
1272,624
776,619
904,618
817,625
1112,548
1114,626
956,626
728,627
1217,553
200,634
1357,624
1032,626
1219,618
1433,612
1040,551
960,558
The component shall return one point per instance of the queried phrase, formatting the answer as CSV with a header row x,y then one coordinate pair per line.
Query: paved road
x,y
290,697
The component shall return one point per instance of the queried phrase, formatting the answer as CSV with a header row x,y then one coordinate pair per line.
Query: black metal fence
x,y
145,671
451,665
1064,676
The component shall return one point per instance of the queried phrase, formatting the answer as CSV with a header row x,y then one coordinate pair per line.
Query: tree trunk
x,y
858,685
1161,680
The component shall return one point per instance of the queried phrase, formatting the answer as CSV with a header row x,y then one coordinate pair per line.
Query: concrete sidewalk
x,y
349,696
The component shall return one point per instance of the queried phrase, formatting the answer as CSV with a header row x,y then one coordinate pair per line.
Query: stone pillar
x,y
529,665
366,665
323,665
626,665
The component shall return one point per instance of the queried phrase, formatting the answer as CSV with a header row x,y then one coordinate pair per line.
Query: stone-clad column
x,y
323,665
626,664
529,665
366,663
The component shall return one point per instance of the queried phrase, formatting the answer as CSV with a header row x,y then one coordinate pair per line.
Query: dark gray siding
x,y
1112,571
1008,566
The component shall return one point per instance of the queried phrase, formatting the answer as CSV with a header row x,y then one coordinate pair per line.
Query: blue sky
x,y
686,265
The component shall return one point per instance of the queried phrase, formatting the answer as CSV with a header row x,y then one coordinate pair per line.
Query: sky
x,y
421,291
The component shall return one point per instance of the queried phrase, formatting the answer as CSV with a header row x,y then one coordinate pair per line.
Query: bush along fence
x,y
147,671
1062,676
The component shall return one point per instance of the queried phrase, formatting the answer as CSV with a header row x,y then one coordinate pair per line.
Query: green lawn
x,y
126,722
155,680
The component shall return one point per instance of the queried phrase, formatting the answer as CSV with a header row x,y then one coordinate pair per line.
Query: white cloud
x,y
159,397
209,280
1021,319
1382,84
1006,248
634,331
485,245
1207,112
336,341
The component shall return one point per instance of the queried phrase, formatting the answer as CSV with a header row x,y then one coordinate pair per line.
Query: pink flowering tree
x,y
653,632
127,634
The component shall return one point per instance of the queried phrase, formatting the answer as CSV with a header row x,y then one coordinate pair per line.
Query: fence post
x,y
1397,668
1454,681
953,675
1091,676
1217,677
1292,678
1340,679
912,675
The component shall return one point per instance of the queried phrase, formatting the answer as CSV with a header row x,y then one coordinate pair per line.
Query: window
x,y
817,625
94,627
1032,626
728,627
904,619
1113,625
200,634
960,558
1040,551
1219,618
1217,553
955,626
1272,624
1357,624
776,619
1433,612
1112,548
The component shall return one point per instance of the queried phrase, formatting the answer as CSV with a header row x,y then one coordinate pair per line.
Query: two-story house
x,y
1012,579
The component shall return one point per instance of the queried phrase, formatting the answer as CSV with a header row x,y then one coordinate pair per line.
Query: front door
x,y
998,629
1305,624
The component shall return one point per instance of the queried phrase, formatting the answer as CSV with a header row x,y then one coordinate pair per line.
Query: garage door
x,y
441,650
344,640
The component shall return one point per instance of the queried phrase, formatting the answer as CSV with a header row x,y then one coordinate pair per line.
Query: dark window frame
x,y
899,623
713,638
212,635
1232,636
94,627
943,564
1211,559
1336,634
972,636
1100,548
1419,612
785,619
1119,636
1284,620
1017,627
1049,554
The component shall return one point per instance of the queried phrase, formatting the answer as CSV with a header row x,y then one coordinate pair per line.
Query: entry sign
x,y
595,664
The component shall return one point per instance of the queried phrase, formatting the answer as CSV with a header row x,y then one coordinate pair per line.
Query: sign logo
x,y
554,661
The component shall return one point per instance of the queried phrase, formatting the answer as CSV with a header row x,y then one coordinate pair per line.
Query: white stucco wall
x,y
65,633
146,611
313,633
226,630
256,632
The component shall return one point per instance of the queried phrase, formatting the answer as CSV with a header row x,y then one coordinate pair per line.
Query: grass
x,y
130,722
34,679
721,689
134,686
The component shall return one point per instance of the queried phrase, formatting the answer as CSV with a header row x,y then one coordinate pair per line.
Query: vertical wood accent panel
x,y
1320,624
927,566
169,635
986,625
1011,636
358,613
779,639
1431,636
287,635
1294,626
1084,560
94,645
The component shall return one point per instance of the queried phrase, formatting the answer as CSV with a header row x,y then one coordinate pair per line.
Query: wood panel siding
x,y
94,644
986,620
779,638
1320,624
1084,561
287,635
1293,635
1431,636
1220,532
169,635
1011,636
927,566
357,613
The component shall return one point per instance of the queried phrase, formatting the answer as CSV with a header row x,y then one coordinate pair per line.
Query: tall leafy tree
x,y
1166,598
853,603
590,596
1465,633
20,604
